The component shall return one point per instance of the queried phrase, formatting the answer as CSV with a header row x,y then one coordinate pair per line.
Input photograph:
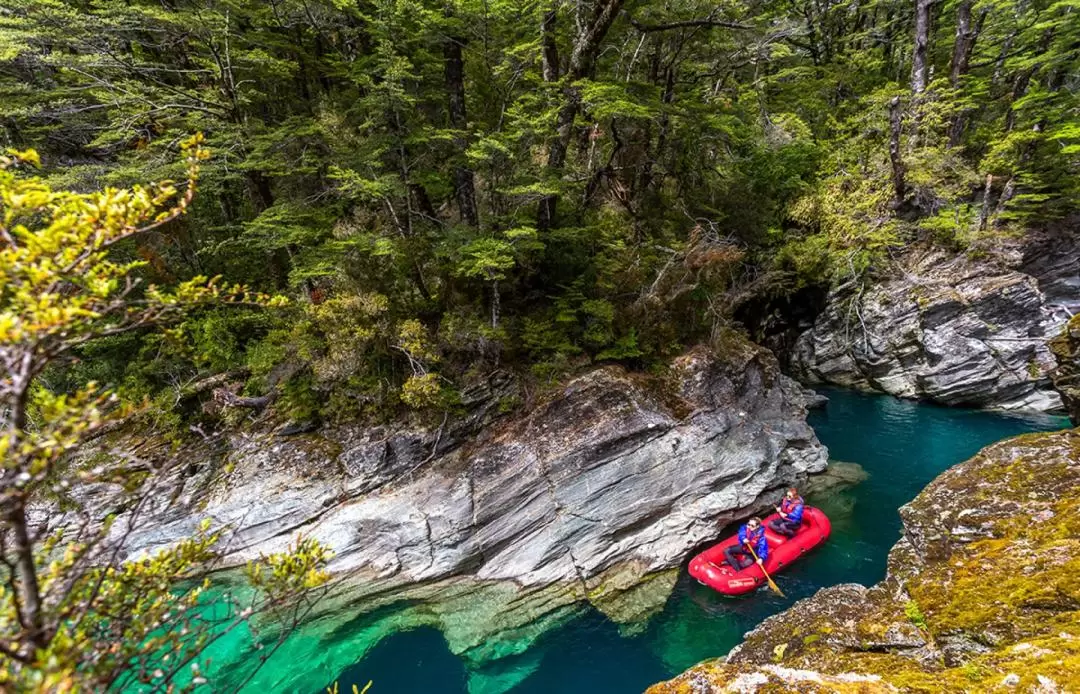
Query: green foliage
x,y
352,163
421,391
73,615
914,614
431,223
486,258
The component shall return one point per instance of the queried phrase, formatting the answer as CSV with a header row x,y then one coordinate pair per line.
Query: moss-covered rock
x,y
982,593
1066,350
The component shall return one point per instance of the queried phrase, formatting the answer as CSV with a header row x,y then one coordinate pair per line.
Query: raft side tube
x,y
711,568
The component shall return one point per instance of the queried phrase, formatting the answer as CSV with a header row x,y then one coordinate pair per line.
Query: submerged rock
x,y
983,590
839,477
950,329
496,532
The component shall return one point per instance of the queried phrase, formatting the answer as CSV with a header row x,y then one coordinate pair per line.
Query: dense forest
x,y
441,188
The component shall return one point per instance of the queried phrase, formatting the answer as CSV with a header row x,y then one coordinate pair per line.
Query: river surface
x,y
902,445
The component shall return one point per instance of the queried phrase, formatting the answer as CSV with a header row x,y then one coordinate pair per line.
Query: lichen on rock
x,y
1066,350
982,593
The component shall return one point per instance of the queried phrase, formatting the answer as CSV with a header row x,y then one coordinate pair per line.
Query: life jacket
x,y
793,509
757,540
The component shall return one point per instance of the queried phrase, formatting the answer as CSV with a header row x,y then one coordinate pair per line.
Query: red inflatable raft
x,y
711,568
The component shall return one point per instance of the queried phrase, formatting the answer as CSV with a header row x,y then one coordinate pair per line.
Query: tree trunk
x,y
464,184
966,35
545,213
1023,79
27,595
964,38
920,66
662,136
999,64
262,199
545,216
899,188
262,196
29,589
422,202
582,62
984,211
1020,85
550,48
1007,194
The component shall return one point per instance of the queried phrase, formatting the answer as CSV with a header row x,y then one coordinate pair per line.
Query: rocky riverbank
x,y
952,329
982,594
495,528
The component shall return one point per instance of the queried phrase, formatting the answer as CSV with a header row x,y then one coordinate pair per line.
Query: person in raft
x,y
790,510
751,535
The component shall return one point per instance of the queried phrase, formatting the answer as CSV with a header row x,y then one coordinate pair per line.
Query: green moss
x,y
509,403
914,614
974,672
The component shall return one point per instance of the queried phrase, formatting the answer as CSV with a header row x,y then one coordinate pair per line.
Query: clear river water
x,y
903,445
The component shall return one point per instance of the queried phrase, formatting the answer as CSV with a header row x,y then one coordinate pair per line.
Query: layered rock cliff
x,y
982,594
949,328
493,529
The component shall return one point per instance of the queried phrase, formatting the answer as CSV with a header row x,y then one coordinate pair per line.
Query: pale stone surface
x,y
608,471
949,329
501,529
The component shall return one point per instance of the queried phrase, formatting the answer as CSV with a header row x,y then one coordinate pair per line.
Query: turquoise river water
x,y
902,445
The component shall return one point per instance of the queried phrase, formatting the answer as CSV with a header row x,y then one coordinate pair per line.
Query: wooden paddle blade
x,y
768,578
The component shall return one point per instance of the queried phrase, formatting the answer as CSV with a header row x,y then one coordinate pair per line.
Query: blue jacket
x,y
793,509
761,545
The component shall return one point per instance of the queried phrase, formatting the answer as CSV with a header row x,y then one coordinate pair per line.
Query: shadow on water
x,y
903,445
412,661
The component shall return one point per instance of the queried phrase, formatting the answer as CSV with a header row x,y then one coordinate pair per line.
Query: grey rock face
x,y
615,468
494,531
948,329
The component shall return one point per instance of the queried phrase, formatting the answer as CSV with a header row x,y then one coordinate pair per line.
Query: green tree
x,y
380,148
73,615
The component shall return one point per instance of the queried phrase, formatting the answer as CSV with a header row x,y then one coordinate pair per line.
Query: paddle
x,y
776,588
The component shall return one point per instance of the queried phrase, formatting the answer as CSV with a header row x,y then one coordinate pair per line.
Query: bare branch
x,y
689,23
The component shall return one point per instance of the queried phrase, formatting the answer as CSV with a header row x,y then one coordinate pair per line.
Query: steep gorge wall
x,y
950,328
494,529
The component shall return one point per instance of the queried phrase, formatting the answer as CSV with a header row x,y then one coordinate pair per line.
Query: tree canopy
x,y
78,611
542,184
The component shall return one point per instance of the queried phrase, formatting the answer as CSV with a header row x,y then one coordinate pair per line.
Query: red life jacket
x,y
788,505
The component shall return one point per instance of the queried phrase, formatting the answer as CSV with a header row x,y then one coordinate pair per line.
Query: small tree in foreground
x,y
73,615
